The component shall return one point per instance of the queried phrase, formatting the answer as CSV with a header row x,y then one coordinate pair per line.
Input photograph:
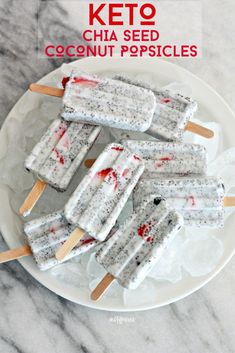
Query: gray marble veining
x,y
35,320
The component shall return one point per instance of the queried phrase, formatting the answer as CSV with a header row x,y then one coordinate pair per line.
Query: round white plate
x,y
214,108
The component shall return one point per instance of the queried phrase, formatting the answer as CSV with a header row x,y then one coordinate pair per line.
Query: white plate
x,y
213,106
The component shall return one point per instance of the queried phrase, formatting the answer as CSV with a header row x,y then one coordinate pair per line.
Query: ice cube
x,y
34,118
146,293
85,259
12,170
212,145
70,273
224,166
50,108
201,253
26,104
15,134
168,268
94,269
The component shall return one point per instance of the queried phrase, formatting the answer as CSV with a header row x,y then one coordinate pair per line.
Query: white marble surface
x,y
35,320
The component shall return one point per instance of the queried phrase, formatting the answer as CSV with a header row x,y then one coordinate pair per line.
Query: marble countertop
x,y
35,320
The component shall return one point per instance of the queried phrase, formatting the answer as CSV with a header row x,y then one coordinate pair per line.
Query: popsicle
x,y
200,200
103,101
44,236
131,252
100,197
172,114
56,157
167,159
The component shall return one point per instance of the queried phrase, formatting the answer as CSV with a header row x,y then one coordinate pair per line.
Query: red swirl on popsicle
x,y
109,172
58,156
166,100
143,231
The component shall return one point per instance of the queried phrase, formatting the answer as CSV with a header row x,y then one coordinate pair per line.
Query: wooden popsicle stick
x,y
102,286
89,163
14,254
199,130
32,198
229,201
70,243
47,90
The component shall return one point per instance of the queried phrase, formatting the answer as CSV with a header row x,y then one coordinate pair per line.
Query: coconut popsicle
x,y
100,197
131,252
103,101
163,159
200,200
44,236
172,114
56,157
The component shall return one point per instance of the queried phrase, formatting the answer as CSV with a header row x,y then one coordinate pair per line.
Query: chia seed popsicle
x,y
172,114
200,200
164,159
131,252
56,157
44,237
100,197
103,101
